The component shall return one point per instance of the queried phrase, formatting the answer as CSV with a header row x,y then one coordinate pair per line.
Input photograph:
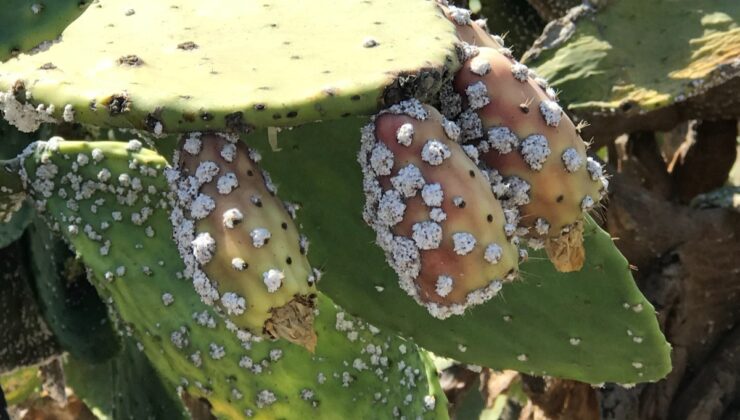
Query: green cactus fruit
x,y
357,371
537,159
68,302
278,65
238,240
528,326
27,25
433,211
25,338
124,387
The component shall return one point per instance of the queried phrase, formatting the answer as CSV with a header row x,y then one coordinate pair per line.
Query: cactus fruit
x,y
27,25
288,77
537,160
356,371
240,246
433,212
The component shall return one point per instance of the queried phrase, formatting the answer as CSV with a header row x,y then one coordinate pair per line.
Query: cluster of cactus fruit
x,y
203,264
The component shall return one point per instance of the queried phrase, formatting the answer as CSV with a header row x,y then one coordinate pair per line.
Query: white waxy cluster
x,y
193,144
572,159
202,206
391,208
405,134
260,237
227,183
587,203
435,152
464,242
273,279
460,16
493,253
480,66
444,285
520,71
477,95
203,247
541,226
535,150
502,139
381,160
233,303
427,235
408,181
232,217
471,125
551,112
432,194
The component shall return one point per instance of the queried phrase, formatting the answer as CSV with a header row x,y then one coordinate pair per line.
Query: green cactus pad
x,y
24,24
153,66
636,56
68,302
125,387
593,325
348,376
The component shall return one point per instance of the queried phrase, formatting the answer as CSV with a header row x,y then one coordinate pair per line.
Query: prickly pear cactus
x,y
26,24
693,72
275,69
356,369
531,325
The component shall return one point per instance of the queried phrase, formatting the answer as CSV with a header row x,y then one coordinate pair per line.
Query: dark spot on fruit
x,y
131,60
292,114
295,57
276,116
289,261
346,114
284,226
259,107
249,172
560,198
48,66
471,173
355,97
489,218
524,108
187,46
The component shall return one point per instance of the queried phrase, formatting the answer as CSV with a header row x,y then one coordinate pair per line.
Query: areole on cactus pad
x,y
356,371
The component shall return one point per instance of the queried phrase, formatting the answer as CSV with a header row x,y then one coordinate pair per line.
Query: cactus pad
x,y
433,211
27,24
273,63
688,56
239,243
356,371
528,326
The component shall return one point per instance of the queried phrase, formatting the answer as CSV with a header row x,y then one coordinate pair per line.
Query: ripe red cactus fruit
x,y
241,248
433,211
535,149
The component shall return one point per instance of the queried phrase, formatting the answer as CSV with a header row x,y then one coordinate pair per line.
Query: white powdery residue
x,y
68,115
472,152
587,203
503,139
552,112
206,172
477,95
405,258
134,146
391,208
541,226
24,117
437,214
97,155
232,217
480,66
535,150
104,175
238,264
217,352
517,191
444,285
451,129
203,247
460,16
260,236
227,183
493,253
405,134
594,169
381,160
522,357
574,341
464,243
432,194
572,160
234,304
411,107
168,299
520,72
435,152
427,235
193,144
202,206
273,279
228,152
408,180
82,159
471,125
